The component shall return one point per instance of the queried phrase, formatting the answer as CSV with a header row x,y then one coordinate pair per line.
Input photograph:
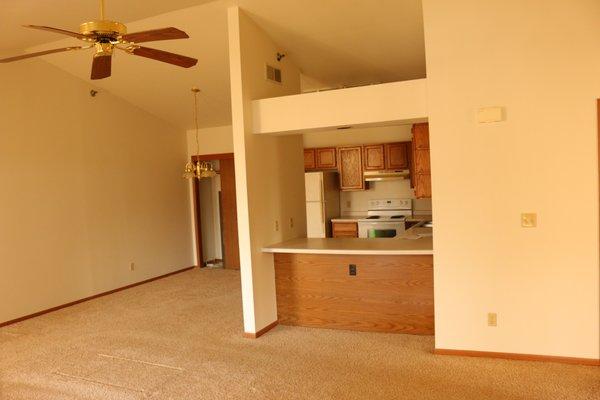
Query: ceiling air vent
x,y
273,74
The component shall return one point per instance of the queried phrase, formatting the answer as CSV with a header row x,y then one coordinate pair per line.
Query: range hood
x,y
378,176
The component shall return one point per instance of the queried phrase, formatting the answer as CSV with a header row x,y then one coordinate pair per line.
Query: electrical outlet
x,y
276,225
291,222
348,204
529,220
492,319
132,266
352,270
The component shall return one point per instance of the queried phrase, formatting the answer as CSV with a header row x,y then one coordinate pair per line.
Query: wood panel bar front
x,y
389,293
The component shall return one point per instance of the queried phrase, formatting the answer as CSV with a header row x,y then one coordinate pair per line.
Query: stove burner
x,y
374,217
397,216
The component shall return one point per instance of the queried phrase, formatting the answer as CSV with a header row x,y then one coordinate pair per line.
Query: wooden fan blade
x,y
40,53
56,30
155,35
101,67
165,56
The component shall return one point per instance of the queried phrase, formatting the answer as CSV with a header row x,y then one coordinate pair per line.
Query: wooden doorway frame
x,y
197,213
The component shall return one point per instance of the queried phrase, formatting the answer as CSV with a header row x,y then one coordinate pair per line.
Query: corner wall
x,y
540,60
269,170
89,185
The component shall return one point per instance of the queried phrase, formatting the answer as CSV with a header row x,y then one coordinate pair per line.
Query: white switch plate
x,y
490,114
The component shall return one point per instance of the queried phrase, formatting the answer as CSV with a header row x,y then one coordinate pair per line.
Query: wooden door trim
x,y
197,215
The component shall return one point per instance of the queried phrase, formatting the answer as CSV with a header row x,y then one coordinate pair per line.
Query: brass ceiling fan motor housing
x,y
103,29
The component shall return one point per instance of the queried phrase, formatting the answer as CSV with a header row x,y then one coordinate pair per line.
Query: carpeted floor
x,y
180,338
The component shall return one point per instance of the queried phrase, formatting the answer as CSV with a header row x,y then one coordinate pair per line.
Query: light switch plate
x,y
490,114
492,319
529,220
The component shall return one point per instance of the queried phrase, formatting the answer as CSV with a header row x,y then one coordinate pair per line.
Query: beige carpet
x,y
180,338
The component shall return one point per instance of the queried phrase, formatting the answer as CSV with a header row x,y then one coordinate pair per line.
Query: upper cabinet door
x,y
326,158
396,155
374,157
422,167
310,161
421,135
351,168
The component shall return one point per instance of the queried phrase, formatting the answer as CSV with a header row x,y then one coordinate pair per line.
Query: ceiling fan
x,y
105,36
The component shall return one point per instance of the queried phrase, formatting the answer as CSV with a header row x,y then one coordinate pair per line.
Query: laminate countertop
x,y
415,241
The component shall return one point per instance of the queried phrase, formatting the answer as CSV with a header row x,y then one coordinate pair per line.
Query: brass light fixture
x,y
198,169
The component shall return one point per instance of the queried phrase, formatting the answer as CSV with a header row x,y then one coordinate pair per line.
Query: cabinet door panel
x,y
309,159
326,158
421,136
374,157
422,164
423,186
396,156
351,168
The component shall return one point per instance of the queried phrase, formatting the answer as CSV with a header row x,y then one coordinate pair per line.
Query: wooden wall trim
x,y
264,330
72,303
518,356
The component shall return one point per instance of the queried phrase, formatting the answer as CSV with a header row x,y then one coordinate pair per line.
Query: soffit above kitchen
x,y
336,43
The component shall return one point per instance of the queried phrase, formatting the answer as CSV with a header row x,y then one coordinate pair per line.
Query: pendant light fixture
x,y
198,169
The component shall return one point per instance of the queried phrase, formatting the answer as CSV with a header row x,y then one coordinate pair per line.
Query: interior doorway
x,y
215,214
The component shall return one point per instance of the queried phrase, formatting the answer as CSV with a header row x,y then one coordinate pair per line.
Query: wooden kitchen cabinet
x,y
326,158
320,158
350,160
345,229
310,159
396,155
421,159
374,158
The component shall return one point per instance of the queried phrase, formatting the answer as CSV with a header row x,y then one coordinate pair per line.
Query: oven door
x,y
380,229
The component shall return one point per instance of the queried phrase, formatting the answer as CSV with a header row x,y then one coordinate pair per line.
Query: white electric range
x,y
385,218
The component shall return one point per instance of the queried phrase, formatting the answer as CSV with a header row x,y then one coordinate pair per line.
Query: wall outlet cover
x,y
492,319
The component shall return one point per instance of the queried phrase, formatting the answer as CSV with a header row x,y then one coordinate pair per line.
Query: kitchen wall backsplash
x,y
356,203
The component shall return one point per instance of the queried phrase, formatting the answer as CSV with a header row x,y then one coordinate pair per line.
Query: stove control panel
x,y
390,204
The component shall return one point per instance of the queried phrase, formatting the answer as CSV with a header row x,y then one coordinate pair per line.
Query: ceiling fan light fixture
x,y
104,36
198,169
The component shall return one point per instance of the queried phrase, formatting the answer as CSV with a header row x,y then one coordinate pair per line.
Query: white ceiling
x,y
334,41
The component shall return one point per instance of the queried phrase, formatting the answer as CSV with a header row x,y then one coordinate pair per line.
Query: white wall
x,y
269,170
541,60
392,103
89,185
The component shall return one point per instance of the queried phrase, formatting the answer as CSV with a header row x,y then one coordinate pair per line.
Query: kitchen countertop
x,y
415,241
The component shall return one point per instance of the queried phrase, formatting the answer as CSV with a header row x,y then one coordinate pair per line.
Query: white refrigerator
x,y
322,202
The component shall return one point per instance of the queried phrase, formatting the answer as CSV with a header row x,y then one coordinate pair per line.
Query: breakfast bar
x,y
380,284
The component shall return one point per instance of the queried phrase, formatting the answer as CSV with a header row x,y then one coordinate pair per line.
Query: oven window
x,y
381,233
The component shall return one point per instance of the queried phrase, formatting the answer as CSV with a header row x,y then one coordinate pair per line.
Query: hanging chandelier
x,y
198,169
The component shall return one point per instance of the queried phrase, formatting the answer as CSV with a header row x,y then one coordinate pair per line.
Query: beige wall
x,y
215,140
269,170
358,136
540,60
390,103
88,186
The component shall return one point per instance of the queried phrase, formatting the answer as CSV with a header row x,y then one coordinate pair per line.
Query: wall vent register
x,y
273,74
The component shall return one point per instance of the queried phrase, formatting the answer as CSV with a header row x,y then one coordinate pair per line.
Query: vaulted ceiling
x,y
335,42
